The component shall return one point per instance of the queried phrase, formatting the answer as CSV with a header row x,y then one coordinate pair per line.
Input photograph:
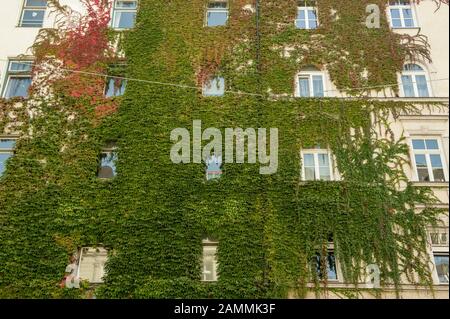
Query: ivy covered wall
x,y
154,214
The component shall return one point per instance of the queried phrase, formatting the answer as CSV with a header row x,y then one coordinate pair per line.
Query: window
x,y
306,15
428,160
6,151
320,262
214,87
401,14
91,265
310,83
217,13
213,170
108,159
414,81
316,165
115,86
441,263
18,79
209,270
439,244
124,14
33,13
439,237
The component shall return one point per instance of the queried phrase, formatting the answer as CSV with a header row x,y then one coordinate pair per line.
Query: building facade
x,y
107,194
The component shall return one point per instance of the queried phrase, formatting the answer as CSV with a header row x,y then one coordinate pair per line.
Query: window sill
x,y
406,28
430,184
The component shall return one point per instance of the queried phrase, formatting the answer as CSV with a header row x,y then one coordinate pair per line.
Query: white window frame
x,y
438,250
33,8
400,7
116,9
8,150
225,10
309,75
305,9
212,245
427,154
315,152
15,74
413,75
102,252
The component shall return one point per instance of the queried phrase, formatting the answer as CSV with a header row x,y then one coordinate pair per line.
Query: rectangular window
x,y
115,87
401,14
217,13
428,160
306,15
33,13
214,87
438,237
441,264
209,269
18,79
6,151
319,266
310,85
124,14
213,167
316,165
91,265
108,159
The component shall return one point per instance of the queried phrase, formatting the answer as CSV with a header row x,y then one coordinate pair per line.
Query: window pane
x,y
313,24
421,160
213,169
124,20
436,161
301,24
7,144
409,23
325,173
438,174
312,15
304,87
126,4
323,160
422,86
407,14
408,88
395,13
22,66
422,169
209,263
301,14
418,144
36,3
18,87
107,165
215,87
310,174
318,85
308,160
115,87
432,144
217,5
3,158
442,268
32,18
217,18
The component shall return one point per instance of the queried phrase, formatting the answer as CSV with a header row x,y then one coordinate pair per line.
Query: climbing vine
x,y
154,214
